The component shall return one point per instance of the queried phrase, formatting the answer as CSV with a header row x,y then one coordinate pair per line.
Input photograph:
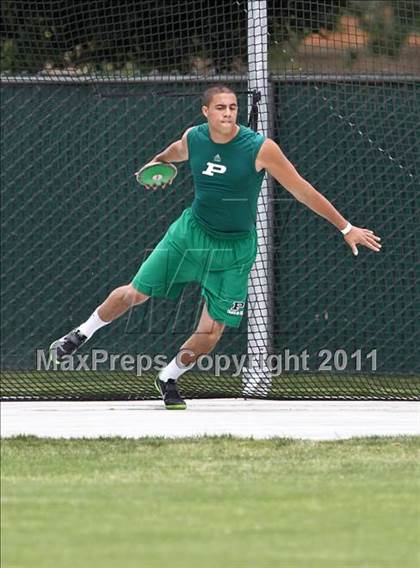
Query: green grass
x,y
212,502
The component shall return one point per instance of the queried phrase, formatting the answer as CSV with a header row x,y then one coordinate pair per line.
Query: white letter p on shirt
x,y
213,169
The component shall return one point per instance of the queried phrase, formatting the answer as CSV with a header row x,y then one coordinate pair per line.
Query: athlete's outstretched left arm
x,y
271,158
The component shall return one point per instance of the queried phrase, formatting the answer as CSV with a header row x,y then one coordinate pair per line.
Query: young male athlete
x,y
213,242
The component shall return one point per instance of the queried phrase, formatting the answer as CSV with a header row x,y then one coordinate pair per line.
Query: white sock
x,y
173,370
92,324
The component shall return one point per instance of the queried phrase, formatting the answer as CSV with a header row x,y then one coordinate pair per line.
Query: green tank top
x,y
226,183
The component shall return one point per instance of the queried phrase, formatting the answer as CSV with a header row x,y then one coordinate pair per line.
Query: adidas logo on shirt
x,y
217,158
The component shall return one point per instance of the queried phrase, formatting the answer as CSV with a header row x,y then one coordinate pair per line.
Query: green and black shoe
x,y
170,394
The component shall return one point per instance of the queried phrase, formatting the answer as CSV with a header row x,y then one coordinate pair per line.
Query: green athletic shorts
x,y
189,253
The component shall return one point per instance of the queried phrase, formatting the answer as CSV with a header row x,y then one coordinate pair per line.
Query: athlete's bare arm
x,y
271,158
175,152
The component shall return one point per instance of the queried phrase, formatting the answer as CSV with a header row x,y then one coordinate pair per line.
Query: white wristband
x,y
347,228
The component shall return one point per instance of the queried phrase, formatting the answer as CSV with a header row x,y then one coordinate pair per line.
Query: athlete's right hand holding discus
x,y
160,171
156,174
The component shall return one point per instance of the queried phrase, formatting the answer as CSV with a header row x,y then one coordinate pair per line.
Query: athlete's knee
x,y
130,296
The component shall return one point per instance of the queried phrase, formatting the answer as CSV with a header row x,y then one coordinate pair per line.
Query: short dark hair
x,y
215,90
